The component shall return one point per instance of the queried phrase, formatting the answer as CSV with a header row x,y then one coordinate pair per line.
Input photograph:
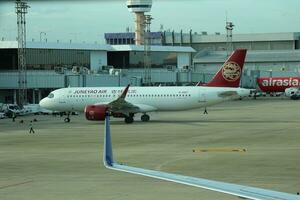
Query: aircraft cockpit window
x,y
51,95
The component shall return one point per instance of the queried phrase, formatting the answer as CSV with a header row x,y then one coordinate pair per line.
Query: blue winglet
x,y
108,154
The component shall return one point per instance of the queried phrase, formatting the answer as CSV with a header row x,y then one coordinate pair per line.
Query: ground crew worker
x,y
205,111
31,127
13,116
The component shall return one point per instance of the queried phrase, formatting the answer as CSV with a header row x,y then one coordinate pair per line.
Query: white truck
x,y
293,93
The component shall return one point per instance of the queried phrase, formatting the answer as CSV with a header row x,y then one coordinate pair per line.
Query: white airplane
x,y
125,103
228,188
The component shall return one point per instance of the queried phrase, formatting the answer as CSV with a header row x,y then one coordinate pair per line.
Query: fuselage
x,y
148,99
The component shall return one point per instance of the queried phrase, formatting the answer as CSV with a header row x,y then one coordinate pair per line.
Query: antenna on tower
x,y
21,11
229,27
161,28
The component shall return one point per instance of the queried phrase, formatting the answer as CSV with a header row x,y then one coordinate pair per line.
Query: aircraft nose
x,y
43,103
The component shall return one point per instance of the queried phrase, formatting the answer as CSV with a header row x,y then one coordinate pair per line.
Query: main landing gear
x,y
145,117
67,119
129,119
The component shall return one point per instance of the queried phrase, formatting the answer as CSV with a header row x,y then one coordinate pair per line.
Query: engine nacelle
x,y
95,112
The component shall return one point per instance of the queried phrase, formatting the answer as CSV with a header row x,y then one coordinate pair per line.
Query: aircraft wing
x,y
228,188
120,105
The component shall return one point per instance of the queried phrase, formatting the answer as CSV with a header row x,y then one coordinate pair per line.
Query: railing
x,y
49,79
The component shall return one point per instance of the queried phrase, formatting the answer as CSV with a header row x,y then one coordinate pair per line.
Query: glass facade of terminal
x,y
51,58
45,59
135,59
158,59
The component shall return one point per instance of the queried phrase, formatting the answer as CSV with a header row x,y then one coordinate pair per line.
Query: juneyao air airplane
x,y
125,103
242,191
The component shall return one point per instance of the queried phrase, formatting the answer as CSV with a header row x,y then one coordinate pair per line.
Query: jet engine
x,y
95,112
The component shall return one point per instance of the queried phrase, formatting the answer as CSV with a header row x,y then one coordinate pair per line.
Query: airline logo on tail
x,y
231,71
230,74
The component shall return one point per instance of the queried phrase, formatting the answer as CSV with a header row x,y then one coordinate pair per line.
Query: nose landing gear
x,y
67,119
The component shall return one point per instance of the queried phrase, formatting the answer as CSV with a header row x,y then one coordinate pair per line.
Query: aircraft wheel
x,y
129,120
67,120
145,118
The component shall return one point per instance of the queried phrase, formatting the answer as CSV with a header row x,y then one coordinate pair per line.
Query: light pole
x,y
147,50
229,27
21,11
118,72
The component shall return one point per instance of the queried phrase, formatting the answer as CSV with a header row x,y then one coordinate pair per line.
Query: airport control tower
x,y
139,7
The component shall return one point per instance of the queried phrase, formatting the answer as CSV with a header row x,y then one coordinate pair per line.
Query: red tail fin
x,y
230,73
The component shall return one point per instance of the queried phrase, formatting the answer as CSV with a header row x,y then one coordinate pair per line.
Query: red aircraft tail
x,y
230,73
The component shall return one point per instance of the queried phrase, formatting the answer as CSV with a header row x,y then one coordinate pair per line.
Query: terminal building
x,y
56,65
176,59
217,41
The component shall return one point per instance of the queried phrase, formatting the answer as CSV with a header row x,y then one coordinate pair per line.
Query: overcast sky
x,y
89,20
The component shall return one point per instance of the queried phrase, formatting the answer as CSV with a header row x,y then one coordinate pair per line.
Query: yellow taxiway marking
x,y
218,150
